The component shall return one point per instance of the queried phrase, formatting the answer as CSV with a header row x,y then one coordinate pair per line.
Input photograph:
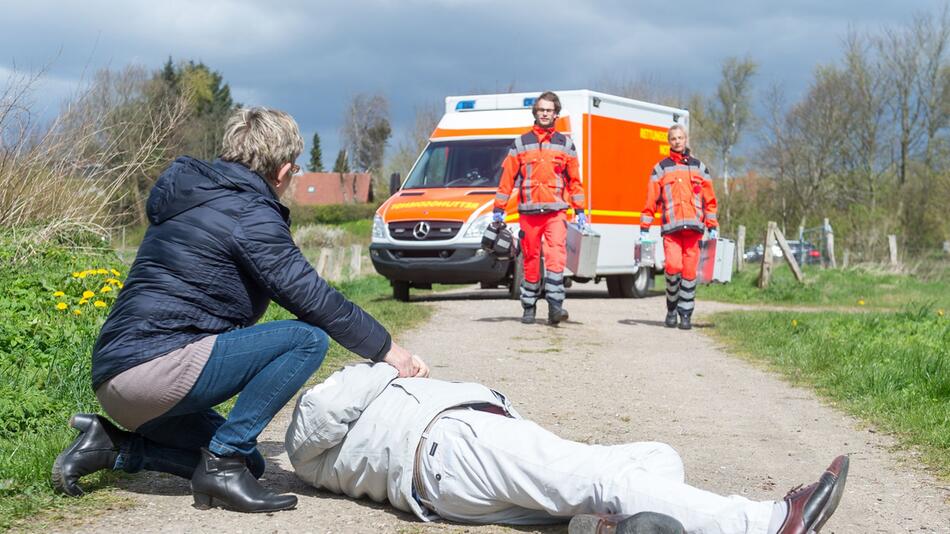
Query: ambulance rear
x,y
430,230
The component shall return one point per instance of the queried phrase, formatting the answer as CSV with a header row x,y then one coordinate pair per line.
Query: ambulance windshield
x,y
474,163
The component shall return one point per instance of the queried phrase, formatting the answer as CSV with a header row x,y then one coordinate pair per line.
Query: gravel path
x,y
612,374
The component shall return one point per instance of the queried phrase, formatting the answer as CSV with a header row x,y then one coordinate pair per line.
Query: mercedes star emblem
x,y
421,230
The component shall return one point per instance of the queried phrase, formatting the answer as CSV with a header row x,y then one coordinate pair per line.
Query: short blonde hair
x,y
676,126
262,140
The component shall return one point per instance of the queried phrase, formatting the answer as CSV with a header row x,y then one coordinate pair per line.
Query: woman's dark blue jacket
x,y
217,251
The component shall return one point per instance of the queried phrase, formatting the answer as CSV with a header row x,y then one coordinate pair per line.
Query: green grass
x,y
45,366
889,368
834,287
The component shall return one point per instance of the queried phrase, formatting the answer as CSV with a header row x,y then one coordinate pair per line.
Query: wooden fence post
x,y
892,245
765,272
830,244
339,255
356,260
789,257
740,248
322,262
844,261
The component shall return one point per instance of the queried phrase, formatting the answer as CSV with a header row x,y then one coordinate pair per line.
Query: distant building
x,y
312,188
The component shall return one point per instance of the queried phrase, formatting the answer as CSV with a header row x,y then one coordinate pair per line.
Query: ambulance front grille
x,y
424,230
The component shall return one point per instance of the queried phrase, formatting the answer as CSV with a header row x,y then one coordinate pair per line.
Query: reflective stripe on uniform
x,y
672,291
542,206
687,295
529,293
554,286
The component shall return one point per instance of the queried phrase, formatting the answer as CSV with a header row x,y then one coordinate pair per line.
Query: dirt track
x,y
611,374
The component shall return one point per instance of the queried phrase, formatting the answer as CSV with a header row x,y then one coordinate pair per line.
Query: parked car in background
x,y
805,253
811,256
755,253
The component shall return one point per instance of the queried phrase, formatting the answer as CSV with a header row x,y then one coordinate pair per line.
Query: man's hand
x,y
498,216
581,219
713,233
644,236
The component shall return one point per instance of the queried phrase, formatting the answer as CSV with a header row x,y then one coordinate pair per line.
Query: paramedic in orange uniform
x,y
542,163
682,192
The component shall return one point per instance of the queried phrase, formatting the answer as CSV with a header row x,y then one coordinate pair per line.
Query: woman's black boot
x,y
95,448
226,481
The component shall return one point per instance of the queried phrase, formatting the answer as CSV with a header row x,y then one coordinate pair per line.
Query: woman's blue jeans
x,y
267,364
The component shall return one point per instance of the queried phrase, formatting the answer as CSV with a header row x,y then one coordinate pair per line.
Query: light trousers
x,y
478,467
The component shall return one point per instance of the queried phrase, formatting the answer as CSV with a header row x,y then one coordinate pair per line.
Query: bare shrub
x,y
89,166
319,236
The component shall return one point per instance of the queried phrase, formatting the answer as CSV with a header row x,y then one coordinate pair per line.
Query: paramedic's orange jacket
x,y
543,164
681,190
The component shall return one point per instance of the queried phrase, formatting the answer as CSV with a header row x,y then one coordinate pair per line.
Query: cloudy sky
x,y
309,58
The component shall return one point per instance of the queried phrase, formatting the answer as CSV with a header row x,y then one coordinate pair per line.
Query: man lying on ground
x,y
460,451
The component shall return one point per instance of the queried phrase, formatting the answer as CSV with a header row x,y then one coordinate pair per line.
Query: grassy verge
x,y
892,369
839,287
45,350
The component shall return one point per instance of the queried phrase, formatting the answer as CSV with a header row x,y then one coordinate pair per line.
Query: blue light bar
x,y
528,102
465,104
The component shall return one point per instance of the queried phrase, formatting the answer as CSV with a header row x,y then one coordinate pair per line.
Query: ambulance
x,y
430,229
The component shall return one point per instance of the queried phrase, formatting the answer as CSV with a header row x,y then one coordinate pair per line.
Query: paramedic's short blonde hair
x,y
262,140
679,127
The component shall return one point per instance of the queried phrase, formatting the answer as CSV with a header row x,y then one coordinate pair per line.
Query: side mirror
x,y
394,182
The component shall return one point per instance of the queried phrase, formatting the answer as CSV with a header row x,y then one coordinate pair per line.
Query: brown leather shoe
x,y
810,507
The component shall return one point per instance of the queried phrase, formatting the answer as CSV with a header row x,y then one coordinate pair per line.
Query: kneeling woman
x,y
180,339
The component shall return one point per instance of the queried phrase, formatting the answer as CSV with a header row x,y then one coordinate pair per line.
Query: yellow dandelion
x,y
861,302
77,312
940,313
99,304
105,289
115,273
82,274
794,323
88,294
75,274
59,294
83,301
61,306
120,285
112,281
102,271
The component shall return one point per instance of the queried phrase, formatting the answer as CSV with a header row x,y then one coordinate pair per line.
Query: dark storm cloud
x,y
309,58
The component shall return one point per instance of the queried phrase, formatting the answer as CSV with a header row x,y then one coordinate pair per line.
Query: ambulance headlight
x,y
379,228
478,226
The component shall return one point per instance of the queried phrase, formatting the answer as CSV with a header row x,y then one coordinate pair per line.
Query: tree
x,y
210,105
316,155
342,164
729,113
366,131
412,143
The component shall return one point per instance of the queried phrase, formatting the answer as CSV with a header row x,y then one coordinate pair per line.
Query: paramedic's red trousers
x,y
552,227
682,258
681,251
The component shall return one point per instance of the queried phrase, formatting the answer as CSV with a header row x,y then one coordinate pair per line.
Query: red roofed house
x,y
311,188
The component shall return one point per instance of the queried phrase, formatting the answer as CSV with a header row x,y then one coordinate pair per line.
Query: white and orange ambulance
x,y
430,230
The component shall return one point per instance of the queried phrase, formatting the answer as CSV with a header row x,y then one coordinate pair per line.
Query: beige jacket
x,y
357,432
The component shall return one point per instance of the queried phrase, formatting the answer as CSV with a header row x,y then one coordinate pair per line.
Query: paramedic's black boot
x,y
685,317
670,321
95,448
528,316
556,314
226,481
